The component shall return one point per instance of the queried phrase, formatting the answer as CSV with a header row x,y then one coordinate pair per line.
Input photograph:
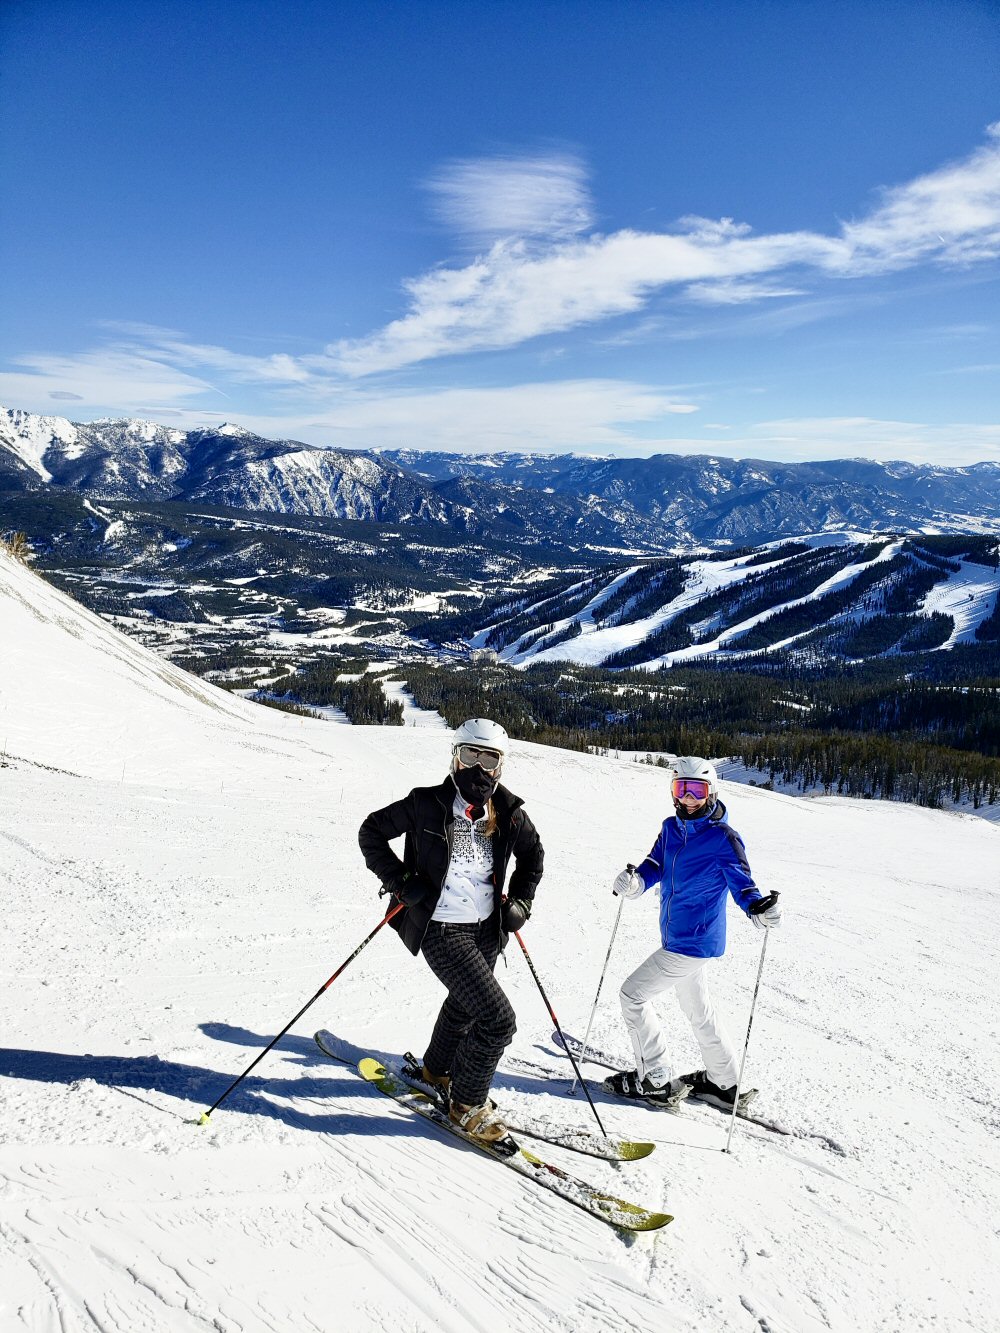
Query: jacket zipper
x,y
673,867
447,837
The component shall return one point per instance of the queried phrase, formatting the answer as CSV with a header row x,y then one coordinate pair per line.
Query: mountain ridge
x,y
651,504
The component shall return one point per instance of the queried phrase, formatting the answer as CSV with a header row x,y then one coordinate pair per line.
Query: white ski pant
x,y
661,972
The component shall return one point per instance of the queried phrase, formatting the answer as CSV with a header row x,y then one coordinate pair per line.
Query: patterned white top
x,y
468,890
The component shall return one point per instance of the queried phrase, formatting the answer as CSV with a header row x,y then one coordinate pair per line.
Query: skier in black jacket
x,y
459,838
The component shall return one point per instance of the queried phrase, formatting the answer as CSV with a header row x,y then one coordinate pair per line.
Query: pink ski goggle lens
x,y
696,787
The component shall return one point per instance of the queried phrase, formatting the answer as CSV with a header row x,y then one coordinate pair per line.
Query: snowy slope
x,y
968,597
191,877
29,437
598,642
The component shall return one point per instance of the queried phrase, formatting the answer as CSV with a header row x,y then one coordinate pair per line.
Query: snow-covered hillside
x,y
579,631
181,873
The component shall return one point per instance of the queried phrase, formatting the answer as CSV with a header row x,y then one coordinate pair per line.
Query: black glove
x,y
514,913
407,888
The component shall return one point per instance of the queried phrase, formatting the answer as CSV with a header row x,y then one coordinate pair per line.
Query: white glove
x,y
628,884
769,919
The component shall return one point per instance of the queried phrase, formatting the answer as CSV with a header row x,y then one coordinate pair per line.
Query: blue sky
x,y
746,229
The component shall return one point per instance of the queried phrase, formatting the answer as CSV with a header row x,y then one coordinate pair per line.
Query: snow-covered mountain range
x,y
227,465
654,503
702,498
180,872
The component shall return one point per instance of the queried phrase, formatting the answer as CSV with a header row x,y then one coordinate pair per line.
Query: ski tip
x,y
372,1070
634,1152
203,1119
632,1216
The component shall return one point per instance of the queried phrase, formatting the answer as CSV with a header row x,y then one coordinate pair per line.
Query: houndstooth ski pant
x,y
476,1022
687,977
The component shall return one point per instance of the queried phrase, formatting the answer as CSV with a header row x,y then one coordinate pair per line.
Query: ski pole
x,y
760,906
590,1023
552,1015
292,1022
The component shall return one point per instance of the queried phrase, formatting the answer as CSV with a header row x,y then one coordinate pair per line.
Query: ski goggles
x,y
699,788
471,755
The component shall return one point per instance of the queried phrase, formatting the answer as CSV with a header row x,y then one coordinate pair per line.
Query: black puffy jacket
x,y
426,818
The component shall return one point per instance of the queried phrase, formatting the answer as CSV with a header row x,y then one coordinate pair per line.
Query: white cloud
x,y
489,198
107,377
621,417
614,417
550,278
951,215
519,289
561,415
949,445
735,292
132,375
514,292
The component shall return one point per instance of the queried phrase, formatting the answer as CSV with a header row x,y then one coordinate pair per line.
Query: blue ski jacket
x,y
698,862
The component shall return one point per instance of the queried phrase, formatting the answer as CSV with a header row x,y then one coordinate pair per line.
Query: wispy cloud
x,y
563,414
542,271
112,376
732,291
153,367
951,445
951,216
519,289
983,368
489,198
592,414
620,417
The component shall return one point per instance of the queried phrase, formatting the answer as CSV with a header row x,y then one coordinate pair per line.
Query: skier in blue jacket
x,y
698,860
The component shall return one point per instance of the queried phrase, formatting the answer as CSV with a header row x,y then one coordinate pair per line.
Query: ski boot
x,y
484,1124
705,1090
627,1083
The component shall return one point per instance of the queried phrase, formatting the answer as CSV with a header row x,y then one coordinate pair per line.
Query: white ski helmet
x,y
483,733
690,766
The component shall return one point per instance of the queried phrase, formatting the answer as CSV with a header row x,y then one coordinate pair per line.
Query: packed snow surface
x,y
968,596
181,874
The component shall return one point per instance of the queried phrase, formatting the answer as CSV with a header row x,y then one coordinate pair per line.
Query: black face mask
x,y
683,813
475,785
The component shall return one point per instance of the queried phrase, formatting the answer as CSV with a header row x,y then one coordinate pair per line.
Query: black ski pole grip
x,y
763,904
631,869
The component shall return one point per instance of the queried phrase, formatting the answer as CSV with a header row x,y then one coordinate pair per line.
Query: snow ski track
x,y
416,1177
401,1225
